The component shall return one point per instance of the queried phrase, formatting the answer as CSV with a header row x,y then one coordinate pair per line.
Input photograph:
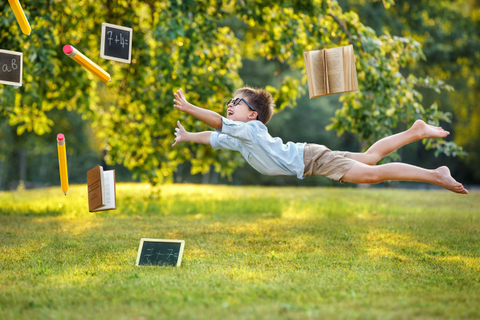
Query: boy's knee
x,y
372,178
371,158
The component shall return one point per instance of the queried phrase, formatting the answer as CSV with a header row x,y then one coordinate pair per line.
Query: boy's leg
x,y
383,147
362,173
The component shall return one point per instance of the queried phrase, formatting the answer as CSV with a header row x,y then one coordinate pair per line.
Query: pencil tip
x,y
65,192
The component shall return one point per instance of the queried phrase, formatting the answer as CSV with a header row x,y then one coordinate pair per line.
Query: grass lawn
x,y
250,253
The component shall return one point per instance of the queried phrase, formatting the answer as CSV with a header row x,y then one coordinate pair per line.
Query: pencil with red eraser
x,y
86,63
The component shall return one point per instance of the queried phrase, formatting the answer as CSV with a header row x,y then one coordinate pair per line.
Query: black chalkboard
x,y
116,43
160,252
11,66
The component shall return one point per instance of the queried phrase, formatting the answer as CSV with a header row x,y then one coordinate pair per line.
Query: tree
x,y
187,44
448,31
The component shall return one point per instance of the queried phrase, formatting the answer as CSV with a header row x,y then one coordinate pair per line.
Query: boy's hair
x,y
261,100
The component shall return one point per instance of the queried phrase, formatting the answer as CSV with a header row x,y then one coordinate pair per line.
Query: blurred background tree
x,y
208,48
450,38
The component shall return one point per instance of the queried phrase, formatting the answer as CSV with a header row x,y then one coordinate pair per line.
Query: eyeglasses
x,y
237,101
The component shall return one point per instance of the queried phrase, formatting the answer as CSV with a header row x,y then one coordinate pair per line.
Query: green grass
x,y
250,253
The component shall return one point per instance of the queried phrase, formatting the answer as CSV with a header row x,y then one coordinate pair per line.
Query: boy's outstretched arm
x,y
198,137
211,118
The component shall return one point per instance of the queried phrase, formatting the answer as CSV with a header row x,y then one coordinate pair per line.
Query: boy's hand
x,y
180,134
180,102
211,118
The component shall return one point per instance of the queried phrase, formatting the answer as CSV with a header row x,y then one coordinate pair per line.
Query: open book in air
x,y
330,71
101,189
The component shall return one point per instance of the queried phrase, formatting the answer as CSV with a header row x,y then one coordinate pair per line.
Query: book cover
x,y
94,188
101,189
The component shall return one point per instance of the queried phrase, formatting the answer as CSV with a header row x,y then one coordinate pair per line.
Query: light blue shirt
x,y
267,155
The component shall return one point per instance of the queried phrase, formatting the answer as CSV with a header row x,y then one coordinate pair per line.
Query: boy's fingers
x,y
176,141
177,133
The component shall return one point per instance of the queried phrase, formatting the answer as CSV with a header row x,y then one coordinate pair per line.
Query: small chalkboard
x,y
160,252
116,43
11,66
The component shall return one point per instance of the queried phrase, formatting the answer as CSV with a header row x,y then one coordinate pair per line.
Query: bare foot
x,y
446,181
425,131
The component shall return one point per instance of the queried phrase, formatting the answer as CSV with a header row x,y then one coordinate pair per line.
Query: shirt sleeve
x,y
237,129
223,141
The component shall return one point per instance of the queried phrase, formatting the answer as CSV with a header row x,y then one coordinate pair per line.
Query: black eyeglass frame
x,y
236,102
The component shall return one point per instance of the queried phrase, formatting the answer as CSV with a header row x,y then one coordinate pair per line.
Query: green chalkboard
x,y
160,252
11,66
116,43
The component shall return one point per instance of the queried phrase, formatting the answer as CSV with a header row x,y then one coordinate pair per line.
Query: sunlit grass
x,y
251,252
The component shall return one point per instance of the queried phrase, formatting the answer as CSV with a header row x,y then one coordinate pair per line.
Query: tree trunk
x,y
43,169
23,165
215,176
206,177
1,174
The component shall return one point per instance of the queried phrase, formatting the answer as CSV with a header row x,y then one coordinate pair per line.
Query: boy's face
x,y
241,111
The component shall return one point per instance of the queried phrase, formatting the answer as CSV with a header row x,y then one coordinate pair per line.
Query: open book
x,y
101,189
330,71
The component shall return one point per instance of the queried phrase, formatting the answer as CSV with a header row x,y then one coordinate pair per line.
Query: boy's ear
x,y
253,115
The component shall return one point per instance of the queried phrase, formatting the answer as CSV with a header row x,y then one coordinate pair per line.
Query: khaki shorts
x,y
321,161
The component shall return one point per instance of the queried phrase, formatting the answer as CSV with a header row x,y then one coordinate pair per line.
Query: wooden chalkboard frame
x,y
20,54
143,240
102,42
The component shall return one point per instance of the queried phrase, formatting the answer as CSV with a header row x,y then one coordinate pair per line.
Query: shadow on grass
x,y
180,206
31,212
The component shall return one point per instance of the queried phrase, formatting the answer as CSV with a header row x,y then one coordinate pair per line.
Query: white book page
x,y
109,181
334,59
306,56
353,69
102,185
318,72
349,72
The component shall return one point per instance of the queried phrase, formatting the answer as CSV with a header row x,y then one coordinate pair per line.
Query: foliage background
x,y
210,48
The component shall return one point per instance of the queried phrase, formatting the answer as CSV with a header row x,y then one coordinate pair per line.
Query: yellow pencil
x,y
86,63
62,162
20,15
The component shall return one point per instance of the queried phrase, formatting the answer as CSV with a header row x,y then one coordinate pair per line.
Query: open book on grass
x,y
330,71
101,189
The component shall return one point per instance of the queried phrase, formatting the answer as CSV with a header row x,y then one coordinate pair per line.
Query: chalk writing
x,y
168,253
13,66
149,254
123,41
